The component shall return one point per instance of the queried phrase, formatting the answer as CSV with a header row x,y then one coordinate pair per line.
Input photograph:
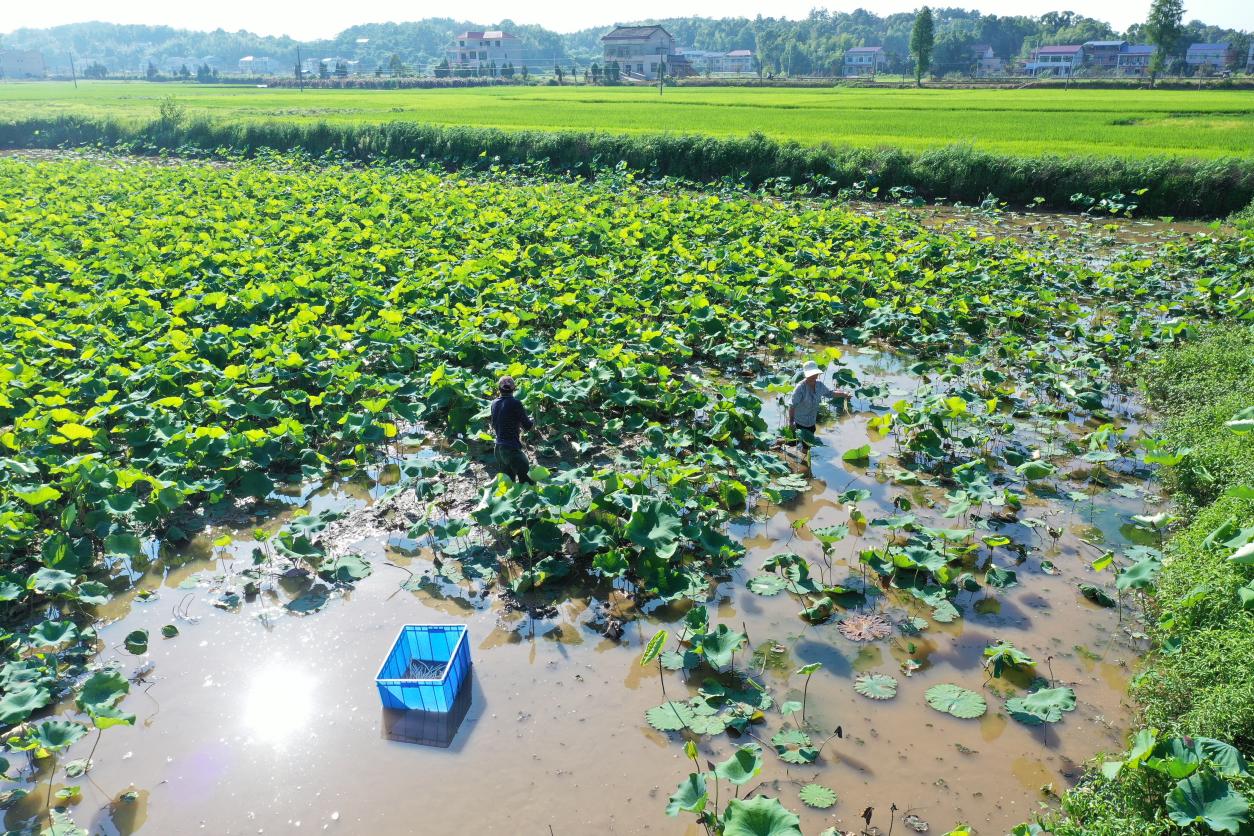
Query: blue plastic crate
x,y
408,678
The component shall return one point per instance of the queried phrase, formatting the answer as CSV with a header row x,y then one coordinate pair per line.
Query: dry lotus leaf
x,y
864,628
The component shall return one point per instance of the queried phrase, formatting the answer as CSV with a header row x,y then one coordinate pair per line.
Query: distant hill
x,y
814,44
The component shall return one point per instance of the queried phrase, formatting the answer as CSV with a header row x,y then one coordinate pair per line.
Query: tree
x,y
324,72
184,73
557,71
595,72
151,72
922,38
1164,30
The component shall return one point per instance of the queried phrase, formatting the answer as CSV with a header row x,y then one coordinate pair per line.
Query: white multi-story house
x,y
1060,60
641,52
480,51
256,65
865,60
704,62
17,63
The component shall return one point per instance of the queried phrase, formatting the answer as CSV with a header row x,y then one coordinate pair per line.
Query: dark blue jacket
x,y
509,416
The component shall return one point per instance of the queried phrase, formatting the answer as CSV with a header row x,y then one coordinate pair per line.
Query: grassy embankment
x,y
1206,687
1124,123
1177,186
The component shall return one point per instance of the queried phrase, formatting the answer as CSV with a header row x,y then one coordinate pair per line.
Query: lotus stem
x,y
48,803
805,689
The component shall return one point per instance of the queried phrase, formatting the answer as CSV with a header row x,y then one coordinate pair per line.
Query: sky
x,y
309,21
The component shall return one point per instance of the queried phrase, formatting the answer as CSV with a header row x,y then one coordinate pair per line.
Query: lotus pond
x,y
243,441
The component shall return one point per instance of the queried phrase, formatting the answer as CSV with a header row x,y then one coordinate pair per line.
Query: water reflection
x,y
279,703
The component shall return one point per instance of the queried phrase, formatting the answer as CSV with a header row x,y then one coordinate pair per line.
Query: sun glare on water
x,y
279,704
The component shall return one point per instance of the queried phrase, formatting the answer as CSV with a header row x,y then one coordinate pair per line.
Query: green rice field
x,y
1200,123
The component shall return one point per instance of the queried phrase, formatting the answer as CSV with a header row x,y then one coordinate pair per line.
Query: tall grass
x,y
1176,186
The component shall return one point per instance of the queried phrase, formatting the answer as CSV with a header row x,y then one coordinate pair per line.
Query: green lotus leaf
x,y
51,582
347,568
93,592
1208,800
1097,595
1001,578
691,797
1002,655
655,525
53,634
1044,706
39,496
103,689
876,686
111,716
767,585
57,735
653,648
136,642
831,534
743,765
707,724
670,716
720,646
20,702
790,737
759,816
1034,469
1140,575
956,700
818,796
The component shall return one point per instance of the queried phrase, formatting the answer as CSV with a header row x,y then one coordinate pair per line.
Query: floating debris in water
x,y
864,628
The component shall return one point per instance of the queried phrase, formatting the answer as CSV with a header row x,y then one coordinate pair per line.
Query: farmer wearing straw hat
x,y
509,416
803,409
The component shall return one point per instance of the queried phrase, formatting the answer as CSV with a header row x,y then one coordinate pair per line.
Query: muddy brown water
x,y
262,721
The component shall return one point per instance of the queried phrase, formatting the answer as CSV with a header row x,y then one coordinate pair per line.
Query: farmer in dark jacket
x,y
509,416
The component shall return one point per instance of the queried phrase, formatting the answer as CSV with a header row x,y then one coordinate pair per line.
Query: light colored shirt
x,y
805,402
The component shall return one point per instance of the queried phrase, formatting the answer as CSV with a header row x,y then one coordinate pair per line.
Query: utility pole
x,y
73,72
300,71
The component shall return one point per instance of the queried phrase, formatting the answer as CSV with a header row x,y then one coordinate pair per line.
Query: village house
x,y
986,61
641,52
738,61
1208,57
1102,57
1134,59
18,63
704,62
1060,60
256,65
865,60
479,51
